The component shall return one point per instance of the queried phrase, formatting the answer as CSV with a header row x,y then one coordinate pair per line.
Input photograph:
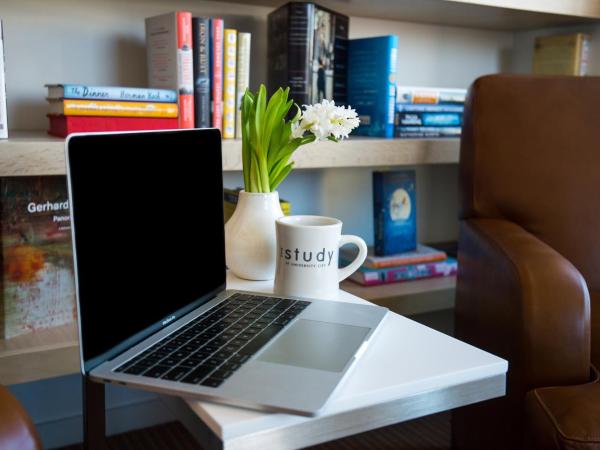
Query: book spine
x,y
83,92
229,82
62,126
391,85
584,52
340,62
3,114
430,96
421,119
201,45
411,107
406,273
424,132
378,210
119,109
300,40
216,61
277,49
405,261
242,78
185,69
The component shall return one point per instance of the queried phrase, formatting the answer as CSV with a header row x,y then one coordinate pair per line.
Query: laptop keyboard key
x,y
212,382
176,373
197,375
223,374
157,371
134,370
261,339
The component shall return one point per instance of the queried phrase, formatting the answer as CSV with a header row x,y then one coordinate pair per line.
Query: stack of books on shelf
x,y
207,64
423,112
78,108
424,262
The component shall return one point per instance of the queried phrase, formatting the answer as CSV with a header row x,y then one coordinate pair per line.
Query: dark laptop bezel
x,y
88,365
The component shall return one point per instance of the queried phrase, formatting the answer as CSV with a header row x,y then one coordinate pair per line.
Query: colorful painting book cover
x,y
38,286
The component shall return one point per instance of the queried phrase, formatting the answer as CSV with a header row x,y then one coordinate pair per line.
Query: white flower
x,y
326,120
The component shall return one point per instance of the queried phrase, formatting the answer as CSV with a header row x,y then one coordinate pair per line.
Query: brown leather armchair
x,y
17,431
529,259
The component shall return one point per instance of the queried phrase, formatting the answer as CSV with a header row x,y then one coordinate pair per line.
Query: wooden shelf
x,y
38,355
487,14
35,153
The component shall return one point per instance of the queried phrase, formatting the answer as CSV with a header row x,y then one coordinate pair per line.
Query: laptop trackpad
x,y
316,345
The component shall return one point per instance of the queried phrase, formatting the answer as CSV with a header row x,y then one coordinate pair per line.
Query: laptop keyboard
x,y
210,348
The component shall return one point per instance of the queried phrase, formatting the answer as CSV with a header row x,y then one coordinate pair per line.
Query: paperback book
x,y
216,72
428,119
242,77
430,95
375,277
62,126
70,107
38,286
424,108
562,55
229,82
371,83
115,93
427,132
201,48
3,113
422,254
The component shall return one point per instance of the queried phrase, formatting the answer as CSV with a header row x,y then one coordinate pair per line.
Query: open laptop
x,y
149,248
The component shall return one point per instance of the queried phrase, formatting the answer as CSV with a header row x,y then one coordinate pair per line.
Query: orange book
x,y
70,107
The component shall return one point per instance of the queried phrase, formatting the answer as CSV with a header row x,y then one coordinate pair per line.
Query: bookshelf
x,y
36,153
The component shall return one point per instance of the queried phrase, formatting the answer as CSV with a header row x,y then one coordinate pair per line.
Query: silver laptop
x,y
148,240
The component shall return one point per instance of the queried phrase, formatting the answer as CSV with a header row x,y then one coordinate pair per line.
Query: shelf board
x,y
39,355
487,14
35,153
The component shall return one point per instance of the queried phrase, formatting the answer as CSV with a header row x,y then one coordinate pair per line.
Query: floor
x,y
429,433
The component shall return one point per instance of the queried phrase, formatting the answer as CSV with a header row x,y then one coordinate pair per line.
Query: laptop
x,y
154,312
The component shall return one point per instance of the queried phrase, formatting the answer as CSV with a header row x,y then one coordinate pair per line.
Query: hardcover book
x,y
372,83
170,59
561,55
62,126
242,78
430,95
216,72
116,93
111,108
395,210
38,286
201,48
375,277
3,113
307,51
422,254
229,82
428,119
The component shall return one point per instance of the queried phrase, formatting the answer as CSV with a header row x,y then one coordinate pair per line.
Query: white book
x,y
3,115
243,78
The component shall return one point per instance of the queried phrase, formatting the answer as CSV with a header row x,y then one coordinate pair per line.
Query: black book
x,y
307,51
201,48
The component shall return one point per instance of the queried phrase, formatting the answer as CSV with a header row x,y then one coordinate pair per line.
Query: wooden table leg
x,y
94,418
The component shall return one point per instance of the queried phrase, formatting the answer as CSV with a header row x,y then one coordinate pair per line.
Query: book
x,y
372,84
38,284
242,78
231,197
229,82
422,254
3,113
395,212
430,95
170,59
427,132
201,48
116,93
565,54
428,119
307,51
424,108
410,272
109,108
62,126
216,72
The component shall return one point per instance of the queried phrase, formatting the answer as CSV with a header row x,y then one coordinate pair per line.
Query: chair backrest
x,y
530,153
17,431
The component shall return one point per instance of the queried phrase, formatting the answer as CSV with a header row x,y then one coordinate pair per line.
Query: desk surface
x,y
408,371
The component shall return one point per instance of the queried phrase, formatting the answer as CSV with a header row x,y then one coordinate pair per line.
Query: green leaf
x,y
275,182
247,103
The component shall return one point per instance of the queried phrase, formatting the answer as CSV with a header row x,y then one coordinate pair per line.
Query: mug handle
x,y
345,272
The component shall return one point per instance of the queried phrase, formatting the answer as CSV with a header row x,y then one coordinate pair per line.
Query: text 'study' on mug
x,y
307,256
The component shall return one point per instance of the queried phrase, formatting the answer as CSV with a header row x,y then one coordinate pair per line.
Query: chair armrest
x,y
520,299
17,431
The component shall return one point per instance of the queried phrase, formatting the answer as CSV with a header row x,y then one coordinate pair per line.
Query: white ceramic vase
x,y
250,240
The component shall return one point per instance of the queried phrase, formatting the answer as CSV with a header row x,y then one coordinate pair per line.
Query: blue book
x,y
371,84
412,107
113,93
395,212
427,132
201,49
425,119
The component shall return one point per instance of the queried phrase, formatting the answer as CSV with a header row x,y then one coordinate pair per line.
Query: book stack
x,y
566,54
424,262
207,64
77,108
423,112
231,197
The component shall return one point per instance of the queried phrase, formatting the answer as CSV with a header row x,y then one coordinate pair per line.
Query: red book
x,y
61,126
216,35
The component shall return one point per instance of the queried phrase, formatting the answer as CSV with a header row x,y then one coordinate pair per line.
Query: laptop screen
x,y
148,227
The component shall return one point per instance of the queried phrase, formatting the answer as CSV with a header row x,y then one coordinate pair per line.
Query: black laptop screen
x,y
149,239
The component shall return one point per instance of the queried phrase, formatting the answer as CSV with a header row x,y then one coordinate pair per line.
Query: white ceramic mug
x,y
307,256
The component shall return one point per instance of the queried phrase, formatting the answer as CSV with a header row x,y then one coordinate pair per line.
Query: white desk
x,y
408,371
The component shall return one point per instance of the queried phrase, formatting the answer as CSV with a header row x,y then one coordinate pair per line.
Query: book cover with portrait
x,y
395,208
38,285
